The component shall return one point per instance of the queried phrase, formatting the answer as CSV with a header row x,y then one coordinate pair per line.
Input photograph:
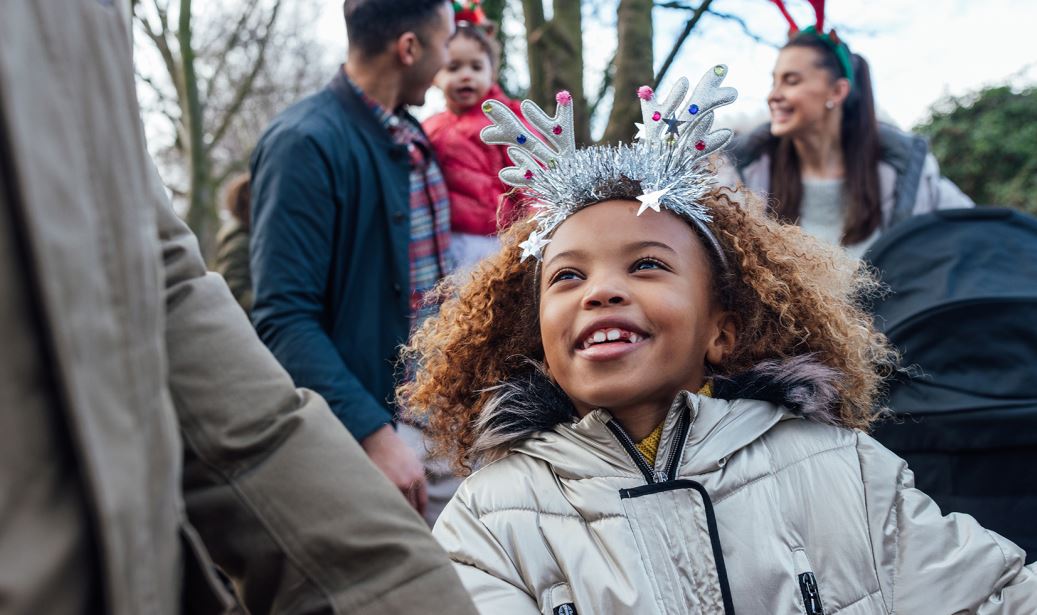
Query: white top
x,y
822,213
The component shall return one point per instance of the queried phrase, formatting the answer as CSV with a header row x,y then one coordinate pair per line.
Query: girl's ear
x,y
724,338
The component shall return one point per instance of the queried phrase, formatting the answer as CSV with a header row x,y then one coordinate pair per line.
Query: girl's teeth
x,y
599,337
613,335
634,338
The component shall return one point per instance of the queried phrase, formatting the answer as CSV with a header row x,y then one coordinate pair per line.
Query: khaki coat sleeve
x,y
928,562
284,498
485,567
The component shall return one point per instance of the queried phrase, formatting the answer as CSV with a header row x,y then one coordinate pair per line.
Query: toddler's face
x,y
626,312
468,75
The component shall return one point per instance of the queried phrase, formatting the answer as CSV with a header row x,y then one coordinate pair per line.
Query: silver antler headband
x,y
667,161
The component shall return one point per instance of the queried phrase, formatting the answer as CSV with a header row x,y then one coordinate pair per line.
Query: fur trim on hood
x,y
532,402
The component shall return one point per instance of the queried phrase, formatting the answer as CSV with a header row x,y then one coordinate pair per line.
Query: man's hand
x,y
399,463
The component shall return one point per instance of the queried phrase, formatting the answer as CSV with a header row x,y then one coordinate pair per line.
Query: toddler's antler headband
x,y
830,38
667,162
469,11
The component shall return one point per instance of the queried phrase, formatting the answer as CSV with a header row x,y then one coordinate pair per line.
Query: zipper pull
x,y
811,594
660,476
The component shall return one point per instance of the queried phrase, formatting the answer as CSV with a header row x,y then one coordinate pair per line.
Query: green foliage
x,y
986,143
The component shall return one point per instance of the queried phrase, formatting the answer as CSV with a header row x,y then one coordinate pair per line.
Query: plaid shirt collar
x,y
397,123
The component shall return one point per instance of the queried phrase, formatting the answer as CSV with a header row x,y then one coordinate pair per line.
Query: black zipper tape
x,y
811,594
628,446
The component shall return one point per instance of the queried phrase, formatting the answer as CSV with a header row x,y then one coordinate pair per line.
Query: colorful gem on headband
x,y
564,98
529,174
700,145
557,129
487,107
645,93
719,70
694,109
657,116
521,139
650,200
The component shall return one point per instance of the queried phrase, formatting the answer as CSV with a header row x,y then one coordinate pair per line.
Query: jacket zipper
x,y
683,427
628,445
676,451
811,594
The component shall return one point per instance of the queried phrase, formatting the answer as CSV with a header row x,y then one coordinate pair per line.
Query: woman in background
x,y
824,160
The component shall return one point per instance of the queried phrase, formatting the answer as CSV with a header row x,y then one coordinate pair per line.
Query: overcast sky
x,y
918,51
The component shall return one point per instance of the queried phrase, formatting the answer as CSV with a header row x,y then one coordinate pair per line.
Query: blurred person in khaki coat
x,y
142,423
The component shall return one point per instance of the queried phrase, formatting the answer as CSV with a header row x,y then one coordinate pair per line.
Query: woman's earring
x,y
829,104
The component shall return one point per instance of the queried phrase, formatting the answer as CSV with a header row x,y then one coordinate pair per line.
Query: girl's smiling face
x,y
468,75
627,315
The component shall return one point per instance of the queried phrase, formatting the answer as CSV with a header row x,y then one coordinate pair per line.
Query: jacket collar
x,y
364,115
533,415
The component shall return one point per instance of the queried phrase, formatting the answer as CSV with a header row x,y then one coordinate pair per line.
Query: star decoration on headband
x,y
650,200
533,246
641,134
673,126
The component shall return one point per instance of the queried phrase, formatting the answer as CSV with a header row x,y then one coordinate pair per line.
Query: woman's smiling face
x,y
627,316
800,92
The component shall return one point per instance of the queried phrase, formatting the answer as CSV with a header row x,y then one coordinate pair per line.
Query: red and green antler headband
x,y
831,39
469,11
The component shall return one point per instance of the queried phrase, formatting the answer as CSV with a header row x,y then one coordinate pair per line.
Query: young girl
x,y
666,392
470,166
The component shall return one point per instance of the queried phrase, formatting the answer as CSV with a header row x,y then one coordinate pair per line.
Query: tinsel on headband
x,y
667,163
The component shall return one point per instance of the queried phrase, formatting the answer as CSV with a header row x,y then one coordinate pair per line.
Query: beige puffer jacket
x,y
751,508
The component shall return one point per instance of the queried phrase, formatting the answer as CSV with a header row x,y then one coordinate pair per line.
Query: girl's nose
x,y
605,294
774,95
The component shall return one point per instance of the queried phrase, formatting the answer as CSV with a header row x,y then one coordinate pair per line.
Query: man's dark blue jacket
x,y
330,252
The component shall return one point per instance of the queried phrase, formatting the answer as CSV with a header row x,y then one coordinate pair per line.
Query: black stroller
x,y
963,311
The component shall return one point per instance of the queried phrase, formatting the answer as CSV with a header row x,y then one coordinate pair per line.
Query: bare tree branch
x,y
689,25
745,27
235,167
232,42
245,86
160,38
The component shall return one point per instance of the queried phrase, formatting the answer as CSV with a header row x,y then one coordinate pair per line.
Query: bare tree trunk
x,y
555,53
222,93
494,10
201,212
634,67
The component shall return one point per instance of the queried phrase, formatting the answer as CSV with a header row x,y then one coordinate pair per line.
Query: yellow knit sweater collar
x,y
650,445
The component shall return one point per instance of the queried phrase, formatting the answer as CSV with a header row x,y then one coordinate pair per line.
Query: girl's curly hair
x,y
792,295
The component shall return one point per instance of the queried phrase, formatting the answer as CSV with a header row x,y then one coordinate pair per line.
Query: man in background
x,y
351,227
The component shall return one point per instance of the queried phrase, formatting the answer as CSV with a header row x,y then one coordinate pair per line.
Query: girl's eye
x,y
564,274
648,263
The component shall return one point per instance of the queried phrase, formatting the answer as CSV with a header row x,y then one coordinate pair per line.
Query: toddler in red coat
x,y
477,202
